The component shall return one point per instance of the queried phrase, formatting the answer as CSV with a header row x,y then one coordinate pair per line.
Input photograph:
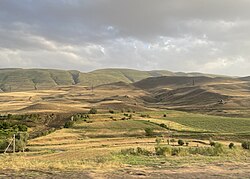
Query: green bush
x,y
21,141
180,142
231,145
5,125
245,145
22,127
68,124
163,125
93,111
3,145
149,131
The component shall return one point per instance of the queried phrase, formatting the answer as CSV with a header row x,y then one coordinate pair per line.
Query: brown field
x,y
92,148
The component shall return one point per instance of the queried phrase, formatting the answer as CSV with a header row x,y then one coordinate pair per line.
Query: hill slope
x,y
17,79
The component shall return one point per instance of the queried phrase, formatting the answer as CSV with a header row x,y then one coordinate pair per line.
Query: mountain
x,y
17,79
197,92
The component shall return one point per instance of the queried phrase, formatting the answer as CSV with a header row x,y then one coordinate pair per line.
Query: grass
x,y
76,149
25,79
205,122
118,125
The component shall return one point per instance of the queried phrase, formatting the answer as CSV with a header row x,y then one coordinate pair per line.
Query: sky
x,y
207,36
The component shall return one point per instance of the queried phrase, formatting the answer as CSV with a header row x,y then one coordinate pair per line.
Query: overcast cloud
x,y
211,36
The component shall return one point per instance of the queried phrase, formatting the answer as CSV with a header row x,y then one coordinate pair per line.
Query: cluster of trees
x,y
80,116
5,125
21,140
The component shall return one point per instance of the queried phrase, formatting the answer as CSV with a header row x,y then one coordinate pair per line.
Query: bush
x,y
245,145
163,125
3,145
212,143
21,141
180,142
137,151
111,111
163,150
93,111
5,125
231,145
218,149
22,128
145,115
164,115
149,132
68,124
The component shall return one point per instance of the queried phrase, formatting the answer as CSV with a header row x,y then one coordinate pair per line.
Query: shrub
x,y
149,131
218,149
137,151
93,111
163,150
164,115
212,143
111,111
180,142
68,124
231,145
163,125
145,115
21,141
245,145
22,127
3,145
5,125
187,143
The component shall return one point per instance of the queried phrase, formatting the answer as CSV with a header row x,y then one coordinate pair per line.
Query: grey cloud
x,y
178,35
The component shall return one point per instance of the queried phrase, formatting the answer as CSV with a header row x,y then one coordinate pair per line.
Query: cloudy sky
x,y
211,36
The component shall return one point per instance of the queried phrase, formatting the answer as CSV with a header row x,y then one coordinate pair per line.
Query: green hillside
x,y
18,79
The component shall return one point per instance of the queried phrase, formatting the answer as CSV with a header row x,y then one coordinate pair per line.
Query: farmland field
x,y
92,148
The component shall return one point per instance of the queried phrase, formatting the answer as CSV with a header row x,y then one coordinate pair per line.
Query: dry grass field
x,y
94,146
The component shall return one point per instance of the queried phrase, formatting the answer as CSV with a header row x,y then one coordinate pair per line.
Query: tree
x,y
180,142
231,145
245,145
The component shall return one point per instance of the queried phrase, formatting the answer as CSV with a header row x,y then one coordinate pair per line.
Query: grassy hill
x,y
17,79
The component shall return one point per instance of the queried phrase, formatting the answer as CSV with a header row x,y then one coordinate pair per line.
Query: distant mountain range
x,y
16,79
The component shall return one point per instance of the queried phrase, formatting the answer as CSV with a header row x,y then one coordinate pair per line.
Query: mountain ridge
x,y
18,79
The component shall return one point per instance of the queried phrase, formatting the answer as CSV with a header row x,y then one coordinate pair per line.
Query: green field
x,y
205,122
